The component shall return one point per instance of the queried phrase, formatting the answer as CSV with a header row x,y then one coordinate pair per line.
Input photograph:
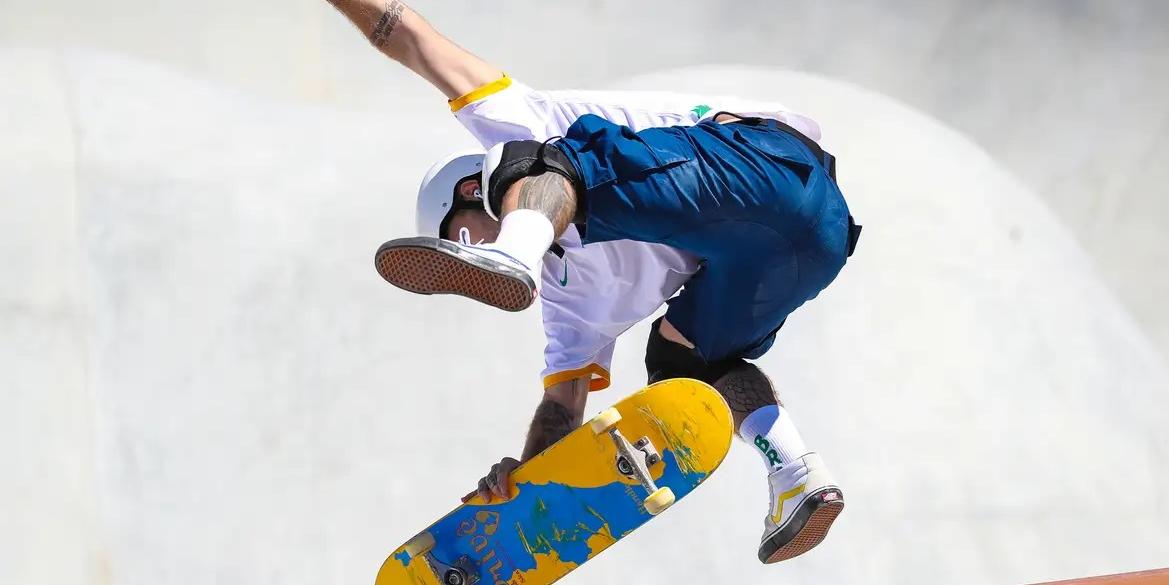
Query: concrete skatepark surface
x,y
205,381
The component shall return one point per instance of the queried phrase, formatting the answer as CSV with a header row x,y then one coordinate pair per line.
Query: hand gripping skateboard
x,y
578,497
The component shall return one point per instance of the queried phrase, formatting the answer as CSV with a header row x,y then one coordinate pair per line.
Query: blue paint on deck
x,y
549,518
403,558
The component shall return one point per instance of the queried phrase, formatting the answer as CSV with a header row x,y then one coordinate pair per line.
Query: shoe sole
x,y
430,266
806,529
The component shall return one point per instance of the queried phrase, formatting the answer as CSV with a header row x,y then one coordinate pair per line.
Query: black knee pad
x,y
665,359
746,388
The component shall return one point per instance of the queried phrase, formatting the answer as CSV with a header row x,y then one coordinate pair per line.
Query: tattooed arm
x,y
549,193
559,413
404,36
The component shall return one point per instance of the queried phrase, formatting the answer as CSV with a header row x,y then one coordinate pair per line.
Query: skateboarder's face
x,y
468,215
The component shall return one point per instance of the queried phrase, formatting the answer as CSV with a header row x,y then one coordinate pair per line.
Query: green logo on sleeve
x,y
700,110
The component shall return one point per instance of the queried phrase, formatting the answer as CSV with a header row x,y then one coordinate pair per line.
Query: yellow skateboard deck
x,y
578,497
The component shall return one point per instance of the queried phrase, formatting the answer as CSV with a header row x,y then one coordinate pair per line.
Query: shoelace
x,y
465,237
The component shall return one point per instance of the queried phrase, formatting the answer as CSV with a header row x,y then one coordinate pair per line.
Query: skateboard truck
x,y
461,572
634,460
648,452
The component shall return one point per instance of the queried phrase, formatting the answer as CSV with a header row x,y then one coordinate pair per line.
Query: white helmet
x,y
436,194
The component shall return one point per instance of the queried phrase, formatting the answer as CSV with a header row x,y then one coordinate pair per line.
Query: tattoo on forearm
x,y
746,389
391,16
552,422
551,195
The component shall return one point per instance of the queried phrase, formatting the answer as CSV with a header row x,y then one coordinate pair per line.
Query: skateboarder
x,y
738,210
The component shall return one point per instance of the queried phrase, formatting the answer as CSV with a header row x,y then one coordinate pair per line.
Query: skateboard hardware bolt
x,y
454,577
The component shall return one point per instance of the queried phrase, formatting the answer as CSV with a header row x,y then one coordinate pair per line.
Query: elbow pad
x,y
509,162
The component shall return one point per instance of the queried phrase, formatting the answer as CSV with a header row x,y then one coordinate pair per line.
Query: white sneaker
x,y
804,503
482,272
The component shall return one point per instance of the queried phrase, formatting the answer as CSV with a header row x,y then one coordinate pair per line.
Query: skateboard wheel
x,y
419,545
605,421
454,577
658,501
624,467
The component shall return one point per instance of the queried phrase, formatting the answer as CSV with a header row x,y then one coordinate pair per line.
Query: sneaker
x,y
804,503
432,266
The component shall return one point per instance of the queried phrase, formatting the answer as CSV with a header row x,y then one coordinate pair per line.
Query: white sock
x,y
772,434
525,234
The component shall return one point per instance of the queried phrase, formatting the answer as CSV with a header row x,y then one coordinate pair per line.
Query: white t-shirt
x,y
594,294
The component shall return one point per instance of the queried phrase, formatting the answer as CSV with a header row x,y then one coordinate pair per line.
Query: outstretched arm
x,y
560,412
403,35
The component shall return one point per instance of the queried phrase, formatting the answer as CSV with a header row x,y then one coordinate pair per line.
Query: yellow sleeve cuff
x,y
479,93
599,377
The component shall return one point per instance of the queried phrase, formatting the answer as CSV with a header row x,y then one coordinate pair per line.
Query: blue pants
x,y
752,199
